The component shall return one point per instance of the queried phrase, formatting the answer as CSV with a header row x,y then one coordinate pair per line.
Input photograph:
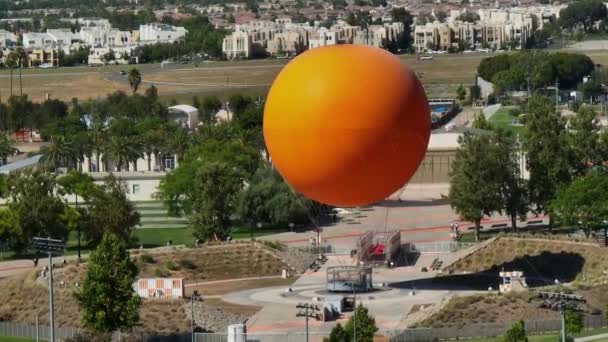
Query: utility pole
x,y
310,310
197,297
556,94
49,246
561,302
354,314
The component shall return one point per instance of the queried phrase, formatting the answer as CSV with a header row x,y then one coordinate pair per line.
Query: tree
x,y
268,199
488,67
480,122
461,93
134,78
123,150
78,184
575,322
440,16
110,211
38,207
7,148
365,325
517,333
512,185
584,12
337,334
59,152
475,180
469,17
583,203
210,106
584,139
474,92
401,15
106,298
548,153
206,183
11,62
109,56
21,56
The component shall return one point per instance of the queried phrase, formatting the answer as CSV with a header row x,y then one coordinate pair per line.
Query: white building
x,y
237,45
96,54
7,39
36,40
99,37
184,115
323,37
161,33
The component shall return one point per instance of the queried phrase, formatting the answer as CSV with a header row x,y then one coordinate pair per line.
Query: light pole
x,y
291,225
49,246
310,310
193,297
354,314
561,302
258,225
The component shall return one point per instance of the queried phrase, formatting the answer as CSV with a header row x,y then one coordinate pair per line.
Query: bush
x,y
148,259
514,112
187,264
517,333
170,265
159,272
278,245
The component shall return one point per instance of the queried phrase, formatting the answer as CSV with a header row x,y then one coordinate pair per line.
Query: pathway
x,y
491,110
591,338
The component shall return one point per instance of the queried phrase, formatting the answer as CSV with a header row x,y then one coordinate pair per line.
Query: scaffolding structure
x,y
349,279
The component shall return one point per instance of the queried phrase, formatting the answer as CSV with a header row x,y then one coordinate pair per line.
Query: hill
x,y
27,294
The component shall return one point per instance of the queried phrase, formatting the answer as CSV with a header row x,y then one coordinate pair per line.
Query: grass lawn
x,y
503,119
154,237
17,339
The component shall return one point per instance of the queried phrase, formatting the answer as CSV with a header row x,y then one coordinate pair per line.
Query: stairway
x,y
154,214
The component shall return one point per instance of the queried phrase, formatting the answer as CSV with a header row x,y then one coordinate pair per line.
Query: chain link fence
x,y
31,331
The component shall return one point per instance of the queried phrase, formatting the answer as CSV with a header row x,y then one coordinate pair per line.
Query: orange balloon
x,y
346,125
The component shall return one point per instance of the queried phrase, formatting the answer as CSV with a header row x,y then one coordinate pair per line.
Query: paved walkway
x,y
591,338
491,110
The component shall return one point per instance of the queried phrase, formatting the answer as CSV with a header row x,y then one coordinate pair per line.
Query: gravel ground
x,y
297,259
213,319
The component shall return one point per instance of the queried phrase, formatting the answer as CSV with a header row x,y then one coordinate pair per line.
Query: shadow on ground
x,y
539,270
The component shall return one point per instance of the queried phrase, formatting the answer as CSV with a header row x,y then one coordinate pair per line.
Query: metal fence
x,y
437,247
485,330
263,337
30,331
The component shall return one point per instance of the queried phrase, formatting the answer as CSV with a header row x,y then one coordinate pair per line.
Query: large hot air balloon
x,y
346,125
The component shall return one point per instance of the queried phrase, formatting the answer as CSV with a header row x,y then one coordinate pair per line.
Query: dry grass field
x,y
210,263
25,295
581,264
440,76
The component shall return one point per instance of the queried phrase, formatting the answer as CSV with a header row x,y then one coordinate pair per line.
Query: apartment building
x,y
284,38
7,39
161,33
496,28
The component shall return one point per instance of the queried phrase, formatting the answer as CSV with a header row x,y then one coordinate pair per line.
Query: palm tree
x,y
123,150
6,148
59,152
180,142
11,63
134,78
21,59
98,139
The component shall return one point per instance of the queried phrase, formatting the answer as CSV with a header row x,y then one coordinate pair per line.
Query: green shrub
x,y
517,333
148,259
159,272
170,265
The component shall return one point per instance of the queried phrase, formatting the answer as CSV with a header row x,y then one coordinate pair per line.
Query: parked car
x,y
46,66
426,58
122,72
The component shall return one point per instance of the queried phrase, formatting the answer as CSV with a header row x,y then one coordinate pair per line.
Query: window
x,y
136,188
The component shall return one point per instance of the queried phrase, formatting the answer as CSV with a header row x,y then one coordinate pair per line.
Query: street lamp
x,y
310,310
193,297
49,246
291,225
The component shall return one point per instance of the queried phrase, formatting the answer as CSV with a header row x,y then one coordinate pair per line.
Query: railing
x,y
437,247
262,337
30,331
